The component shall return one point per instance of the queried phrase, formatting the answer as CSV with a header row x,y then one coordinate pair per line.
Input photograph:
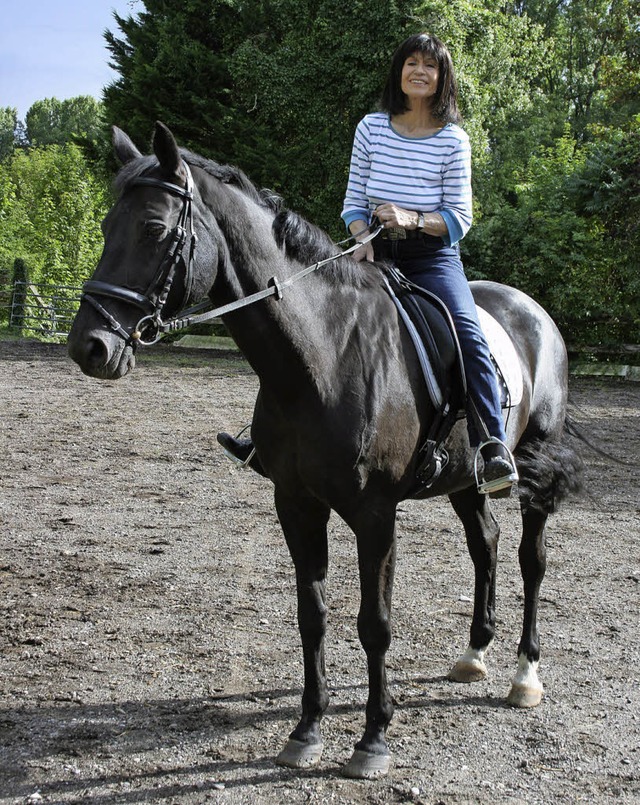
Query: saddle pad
x,y
504,355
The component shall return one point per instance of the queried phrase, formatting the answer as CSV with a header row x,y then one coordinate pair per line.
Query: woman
x,y
411,170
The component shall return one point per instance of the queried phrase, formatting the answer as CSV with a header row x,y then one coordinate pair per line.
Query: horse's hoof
x,y
468,670
300,755
526,688
366,765
524,696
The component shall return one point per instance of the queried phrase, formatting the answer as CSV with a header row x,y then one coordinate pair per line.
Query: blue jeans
x,y
427,262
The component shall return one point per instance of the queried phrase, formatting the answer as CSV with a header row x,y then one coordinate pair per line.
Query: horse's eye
x,y
155,229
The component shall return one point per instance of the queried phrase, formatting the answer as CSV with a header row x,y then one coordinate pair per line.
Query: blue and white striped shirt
x,y
425,174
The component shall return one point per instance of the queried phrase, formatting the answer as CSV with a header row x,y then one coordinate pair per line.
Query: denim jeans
x,y
427,262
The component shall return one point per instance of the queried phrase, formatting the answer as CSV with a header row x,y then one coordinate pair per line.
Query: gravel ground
x,y
149,647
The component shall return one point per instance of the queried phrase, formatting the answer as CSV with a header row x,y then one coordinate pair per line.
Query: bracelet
x,y
420,224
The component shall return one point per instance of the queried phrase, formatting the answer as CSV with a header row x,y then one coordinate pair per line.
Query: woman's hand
x,y
363,252
360,229
390,215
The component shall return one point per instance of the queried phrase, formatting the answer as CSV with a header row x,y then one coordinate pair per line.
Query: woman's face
x,y
419,79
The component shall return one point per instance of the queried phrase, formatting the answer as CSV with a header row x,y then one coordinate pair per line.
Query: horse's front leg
x,y
304,523
526,688
482,532
375,532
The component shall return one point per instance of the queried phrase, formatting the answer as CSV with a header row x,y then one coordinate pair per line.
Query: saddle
x,y
434,337
430,326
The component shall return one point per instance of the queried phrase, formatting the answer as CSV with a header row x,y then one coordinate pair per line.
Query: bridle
x,y
151,327
152,302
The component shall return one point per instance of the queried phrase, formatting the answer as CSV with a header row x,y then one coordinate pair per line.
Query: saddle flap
x,y
429,324
504,357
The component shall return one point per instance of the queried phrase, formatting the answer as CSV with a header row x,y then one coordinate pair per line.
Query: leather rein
x,y
151,327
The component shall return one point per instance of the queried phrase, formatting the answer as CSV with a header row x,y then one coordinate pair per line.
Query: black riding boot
x,y
240,451
499,473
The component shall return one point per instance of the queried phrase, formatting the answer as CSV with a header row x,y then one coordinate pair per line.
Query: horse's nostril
x,y
96,353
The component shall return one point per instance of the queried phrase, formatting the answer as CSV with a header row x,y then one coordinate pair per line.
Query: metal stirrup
x,y
482,484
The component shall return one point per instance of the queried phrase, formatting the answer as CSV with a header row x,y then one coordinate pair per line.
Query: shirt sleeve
x,y
356,203
456,207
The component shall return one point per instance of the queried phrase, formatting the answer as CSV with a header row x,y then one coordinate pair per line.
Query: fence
x,y
46,310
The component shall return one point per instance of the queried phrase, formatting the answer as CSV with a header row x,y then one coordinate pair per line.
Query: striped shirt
x,y
425,174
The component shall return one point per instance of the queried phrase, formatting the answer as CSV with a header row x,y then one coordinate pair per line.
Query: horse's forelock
x,y
133,169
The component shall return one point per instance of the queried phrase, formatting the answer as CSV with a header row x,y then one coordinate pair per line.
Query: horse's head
x,y
150,267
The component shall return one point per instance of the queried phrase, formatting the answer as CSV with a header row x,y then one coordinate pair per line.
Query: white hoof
x,y
367,766
300,755
526,688
520,696
470,667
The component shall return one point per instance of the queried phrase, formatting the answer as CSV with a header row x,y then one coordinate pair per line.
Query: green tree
x,y
570,238
51,205
8,124
550,94
305,81
172,65
275,86
52,121
596,55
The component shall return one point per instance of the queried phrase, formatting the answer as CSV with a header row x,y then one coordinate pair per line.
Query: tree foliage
x,y
54,122
8,124
550,94
51,205
274,86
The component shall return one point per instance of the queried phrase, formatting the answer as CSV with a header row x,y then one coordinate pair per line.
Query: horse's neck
x,y
284,340
299,341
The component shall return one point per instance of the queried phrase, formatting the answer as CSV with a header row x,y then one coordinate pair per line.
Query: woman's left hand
x,y
390,215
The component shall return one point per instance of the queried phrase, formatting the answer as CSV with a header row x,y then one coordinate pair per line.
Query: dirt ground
x,y
149,647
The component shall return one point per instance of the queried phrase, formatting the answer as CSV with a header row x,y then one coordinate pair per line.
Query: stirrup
x,y
497,484
242,464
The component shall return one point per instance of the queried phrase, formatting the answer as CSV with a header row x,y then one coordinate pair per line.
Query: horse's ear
x,y
123,146
166,149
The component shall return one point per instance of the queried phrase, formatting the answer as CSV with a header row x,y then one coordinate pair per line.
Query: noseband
x,y
149,328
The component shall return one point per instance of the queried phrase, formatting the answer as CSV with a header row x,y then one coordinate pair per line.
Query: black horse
x,y
342,408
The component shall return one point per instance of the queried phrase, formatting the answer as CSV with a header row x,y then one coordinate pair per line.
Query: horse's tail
x,y
550,471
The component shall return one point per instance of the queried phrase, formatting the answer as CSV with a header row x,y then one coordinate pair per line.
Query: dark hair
x,y
445,102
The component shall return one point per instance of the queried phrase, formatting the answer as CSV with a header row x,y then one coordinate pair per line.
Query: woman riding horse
x,y
414,154
342,409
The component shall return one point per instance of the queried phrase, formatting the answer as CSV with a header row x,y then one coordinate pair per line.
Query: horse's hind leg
x,y
526,688
482,533
304,523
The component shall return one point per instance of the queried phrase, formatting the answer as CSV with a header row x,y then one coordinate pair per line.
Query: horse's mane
x,y
308,244
224,173
301,240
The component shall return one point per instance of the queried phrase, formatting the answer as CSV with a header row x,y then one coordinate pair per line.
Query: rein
x,y
151,327
275,287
